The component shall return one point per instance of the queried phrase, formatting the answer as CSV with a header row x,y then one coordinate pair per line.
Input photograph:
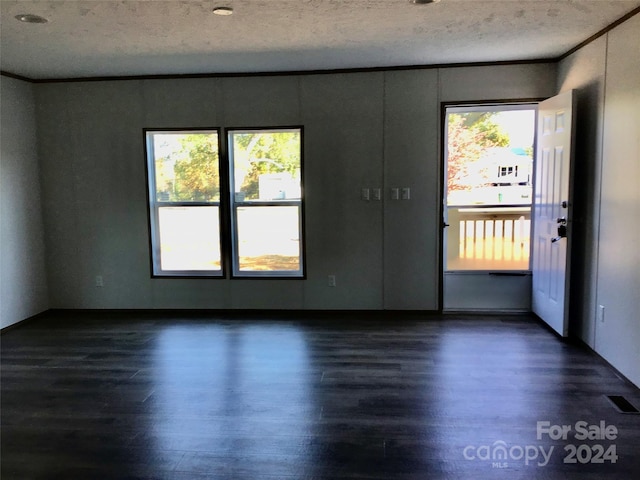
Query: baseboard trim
x,y
21,323
245,312
586,346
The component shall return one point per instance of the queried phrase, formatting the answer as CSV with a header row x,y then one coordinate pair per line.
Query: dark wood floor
x,y
381,396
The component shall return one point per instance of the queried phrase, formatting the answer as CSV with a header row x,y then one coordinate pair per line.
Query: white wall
x,y
584,71
373,129
607,76
23,282
618,338
412,160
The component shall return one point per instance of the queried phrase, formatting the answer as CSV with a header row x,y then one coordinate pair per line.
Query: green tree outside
x,y
196,169
188,169
259,153
469,136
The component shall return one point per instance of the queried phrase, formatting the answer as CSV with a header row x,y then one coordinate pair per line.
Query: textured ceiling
x,y
85,38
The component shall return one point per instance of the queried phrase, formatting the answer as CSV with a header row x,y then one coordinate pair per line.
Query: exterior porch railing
x,y
488,237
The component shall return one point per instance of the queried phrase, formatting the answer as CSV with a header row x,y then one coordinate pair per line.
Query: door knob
x,y
562,231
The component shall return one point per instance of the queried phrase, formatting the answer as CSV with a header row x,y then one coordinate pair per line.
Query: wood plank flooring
x,y
99,395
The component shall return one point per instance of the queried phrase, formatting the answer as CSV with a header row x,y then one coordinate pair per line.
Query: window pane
x,y
266,165
189,238
186,167
268,238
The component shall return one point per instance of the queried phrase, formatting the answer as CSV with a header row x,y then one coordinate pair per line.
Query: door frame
x,y
443,170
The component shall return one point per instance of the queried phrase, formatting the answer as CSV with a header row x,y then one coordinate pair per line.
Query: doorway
x,y
488,194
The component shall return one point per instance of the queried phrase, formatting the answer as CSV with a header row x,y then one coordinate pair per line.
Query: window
x,y
184,202
195,231
266,204
506,171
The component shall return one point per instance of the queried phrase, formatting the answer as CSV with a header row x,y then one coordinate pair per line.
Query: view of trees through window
x,y
185,207
265,199
489,160
258,156
266,167
186,167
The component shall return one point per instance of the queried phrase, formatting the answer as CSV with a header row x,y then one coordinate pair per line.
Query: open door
x,y
552,211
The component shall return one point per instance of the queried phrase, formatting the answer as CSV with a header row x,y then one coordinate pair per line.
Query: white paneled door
x,y
552,211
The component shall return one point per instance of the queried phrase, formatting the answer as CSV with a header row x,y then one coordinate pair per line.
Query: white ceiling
x,y
88,38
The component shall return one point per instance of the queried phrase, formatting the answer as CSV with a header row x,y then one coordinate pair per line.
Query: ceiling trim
x,y
602,32
275,73
592,38
16,76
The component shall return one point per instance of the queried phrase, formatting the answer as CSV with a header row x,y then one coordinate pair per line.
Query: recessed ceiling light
x,y
424,2
224,11
29,18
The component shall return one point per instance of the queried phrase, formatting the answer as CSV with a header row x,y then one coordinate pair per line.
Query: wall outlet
x,y
601,313
99,281
365,194
331,281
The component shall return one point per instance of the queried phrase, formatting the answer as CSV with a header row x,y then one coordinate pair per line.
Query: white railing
x,y
488,238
